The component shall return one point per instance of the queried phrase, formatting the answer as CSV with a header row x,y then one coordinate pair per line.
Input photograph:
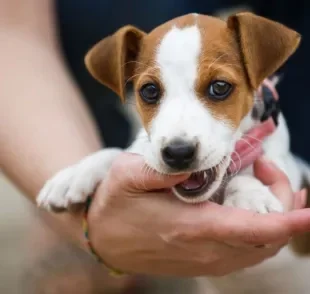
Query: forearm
x,y
45,125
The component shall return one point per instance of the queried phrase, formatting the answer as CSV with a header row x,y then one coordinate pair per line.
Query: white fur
x,y
181,114
284,273
73,184
248,193
277,149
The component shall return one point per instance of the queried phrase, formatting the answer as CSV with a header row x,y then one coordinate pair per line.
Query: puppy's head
x,y
194,78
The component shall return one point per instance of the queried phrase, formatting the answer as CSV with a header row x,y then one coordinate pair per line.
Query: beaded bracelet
x,y
112,272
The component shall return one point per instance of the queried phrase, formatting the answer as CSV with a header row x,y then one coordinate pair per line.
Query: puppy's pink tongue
x,y
195,181
249,148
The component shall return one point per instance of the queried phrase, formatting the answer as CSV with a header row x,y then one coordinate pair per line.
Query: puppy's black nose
x,y
179,154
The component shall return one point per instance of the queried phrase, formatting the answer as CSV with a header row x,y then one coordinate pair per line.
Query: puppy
x,y
195,81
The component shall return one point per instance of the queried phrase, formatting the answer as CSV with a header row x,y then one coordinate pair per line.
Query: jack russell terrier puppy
x,y
195,80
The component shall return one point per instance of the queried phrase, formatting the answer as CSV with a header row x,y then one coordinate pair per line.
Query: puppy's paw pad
x,y
262,201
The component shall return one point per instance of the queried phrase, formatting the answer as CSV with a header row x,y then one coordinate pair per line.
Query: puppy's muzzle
x,y
179,154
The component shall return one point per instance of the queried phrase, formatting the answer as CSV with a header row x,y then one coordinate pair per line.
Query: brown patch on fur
x,y
112,60
147,70
243,51
220,60
147,111
129,56
264,44
301,243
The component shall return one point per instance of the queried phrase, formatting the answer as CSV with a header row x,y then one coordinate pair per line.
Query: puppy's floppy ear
x,y
109,61
264,44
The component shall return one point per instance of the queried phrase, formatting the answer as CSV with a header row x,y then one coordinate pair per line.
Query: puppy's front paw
x,y
56,194
74,184
259,201
251,195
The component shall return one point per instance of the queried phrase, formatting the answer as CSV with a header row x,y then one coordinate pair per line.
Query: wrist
x,y
49,252
69,225
86,230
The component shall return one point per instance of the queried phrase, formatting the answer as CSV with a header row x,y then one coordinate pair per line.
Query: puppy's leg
x,y
73,184
249,193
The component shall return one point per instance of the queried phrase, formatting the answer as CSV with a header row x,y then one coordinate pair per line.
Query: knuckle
x,y
125,170
119,169
211,255
265,229
117,166
252,237
182,233
176,235
187,231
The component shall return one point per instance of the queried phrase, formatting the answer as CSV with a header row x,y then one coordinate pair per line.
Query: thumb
x,y
132,172
267,172
270,175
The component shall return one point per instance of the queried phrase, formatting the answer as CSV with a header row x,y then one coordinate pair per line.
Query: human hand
x,y
279,185
138,230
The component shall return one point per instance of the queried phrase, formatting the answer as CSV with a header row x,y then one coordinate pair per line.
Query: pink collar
x,y
249,148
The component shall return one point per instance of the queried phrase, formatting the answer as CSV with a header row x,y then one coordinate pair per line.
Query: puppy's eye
x,y
150,93
219,90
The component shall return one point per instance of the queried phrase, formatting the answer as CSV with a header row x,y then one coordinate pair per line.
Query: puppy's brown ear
x,y
110,60
264,44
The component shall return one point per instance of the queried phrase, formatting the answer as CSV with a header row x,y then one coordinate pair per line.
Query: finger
x,y
239,261
267,172
298,221
285,194
249,148
243,227
255,136
271,176
131,172
300,199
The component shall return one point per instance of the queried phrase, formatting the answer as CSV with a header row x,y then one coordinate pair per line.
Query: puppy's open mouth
x,y
197,184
